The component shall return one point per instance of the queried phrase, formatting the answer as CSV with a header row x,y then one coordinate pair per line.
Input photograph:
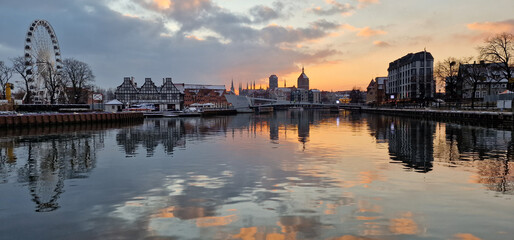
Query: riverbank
x,y
488,118
45,119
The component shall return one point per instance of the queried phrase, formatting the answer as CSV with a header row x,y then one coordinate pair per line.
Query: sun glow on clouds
x,y
368,32
381,44
204,33
163,4
365,3
493,27
333,39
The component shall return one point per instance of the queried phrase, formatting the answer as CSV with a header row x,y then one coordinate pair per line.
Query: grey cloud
x,y
263,14
116,46
335,8
324,24
279,34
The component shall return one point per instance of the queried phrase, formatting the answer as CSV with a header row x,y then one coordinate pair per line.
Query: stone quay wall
x,y
29,120
486,118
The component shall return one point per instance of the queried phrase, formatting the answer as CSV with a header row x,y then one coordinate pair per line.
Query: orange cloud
x,y
163,4
194,37
493,27
363,32
349,27
365,3
368,32
381,44
465,236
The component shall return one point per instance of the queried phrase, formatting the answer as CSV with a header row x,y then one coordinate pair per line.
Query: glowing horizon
x,y
342,44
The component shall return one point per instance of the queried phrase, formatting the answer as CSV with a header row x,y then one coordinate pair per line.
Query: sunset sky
x,y
341,43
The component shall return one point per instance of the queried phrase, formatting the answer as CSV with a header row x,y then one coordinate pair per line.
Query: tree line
x,y
493,63
70,84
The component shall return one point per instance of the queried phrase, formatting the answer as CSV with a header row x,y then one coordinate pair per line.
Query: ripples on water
x,y
287,175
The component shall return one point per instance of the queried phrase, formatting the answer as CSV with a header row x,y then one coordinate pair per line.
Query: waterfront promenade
x,y
502,119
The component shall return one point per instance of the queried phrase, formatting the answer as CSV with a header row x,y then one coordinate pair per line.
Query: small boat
x,y
190,114
145,107
153,114
295,108
264,109
170,114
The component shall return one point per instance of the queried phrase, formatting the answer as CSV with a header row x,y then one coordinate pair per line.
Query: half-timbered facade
x,y
171,95
127,92
165,97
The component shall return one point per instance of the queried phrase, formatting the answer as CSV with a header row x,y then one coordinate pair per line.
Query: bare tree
x,y
355,95
500,49
108,94
78,76
473,74
5,75
446,72
21,68
52,79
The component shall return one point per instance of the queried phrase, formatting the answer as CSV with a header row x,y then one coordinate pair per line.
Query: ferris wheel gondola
x,y
42,58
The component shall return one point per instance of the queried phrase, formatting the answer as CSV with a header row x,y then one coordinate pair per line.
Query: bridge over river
x,y
251,103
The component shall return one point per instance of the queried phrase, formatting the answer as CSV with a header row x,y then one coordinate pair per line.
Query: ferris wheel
x,y
42,58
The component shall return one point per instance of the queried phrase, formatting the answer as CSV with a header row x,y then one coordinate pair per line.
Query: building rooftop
x,y
409,58
303,75
113,102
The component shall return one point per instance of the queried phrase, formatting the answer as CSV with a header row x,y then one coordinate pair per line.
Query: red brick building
x,y
202,94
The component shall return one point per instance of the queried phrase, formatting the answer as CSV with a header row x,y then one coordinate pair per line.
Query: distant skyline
x,y
341,43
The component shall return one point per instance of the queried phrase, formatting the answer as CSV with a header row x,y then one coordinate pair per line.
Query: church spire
x,y
232,86
303,70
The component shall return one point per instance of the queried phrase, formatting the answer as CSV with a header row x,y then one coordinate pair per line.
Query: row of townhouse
x,y
170,96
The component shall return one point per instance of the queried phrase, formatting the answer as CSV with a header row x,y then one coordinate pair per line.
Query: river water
x,y
286,175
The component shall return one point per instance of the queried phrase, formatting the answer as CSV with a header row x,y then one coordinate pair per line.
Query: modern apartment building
x,y
411,77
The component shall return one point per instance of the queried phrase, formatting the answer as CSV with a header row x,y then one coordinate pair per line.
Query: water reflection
x,y
415,143
489,150
58,158
43,158
171,133
410,142
286,175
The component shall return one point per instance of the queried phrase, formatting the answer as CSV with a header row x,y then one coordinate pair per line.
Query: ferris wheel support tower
x,y
43,61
